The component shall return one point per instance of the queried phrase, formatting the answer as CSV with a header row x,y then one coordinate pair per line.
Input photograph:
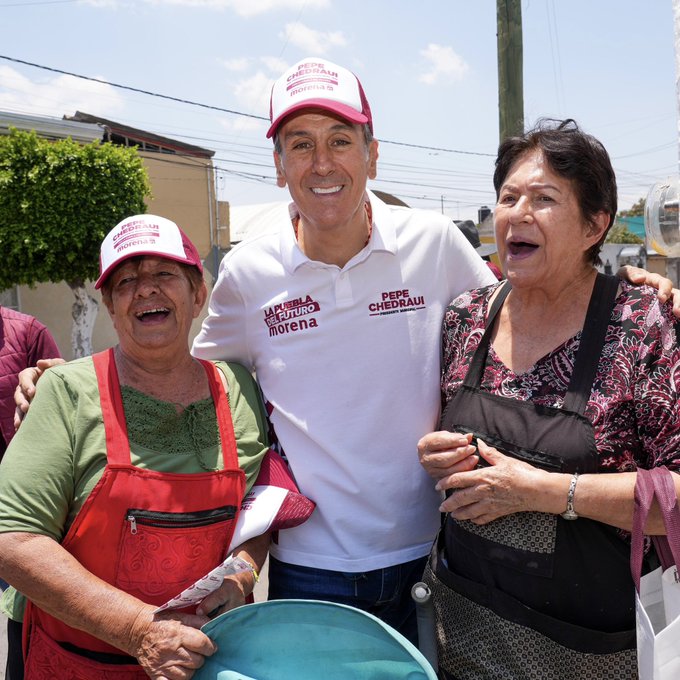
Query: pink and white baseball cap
x,y
145,235
316,83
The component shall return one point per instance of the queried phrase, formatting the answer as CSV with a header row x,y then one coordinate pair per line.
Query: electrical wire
x,y
216,108
250,149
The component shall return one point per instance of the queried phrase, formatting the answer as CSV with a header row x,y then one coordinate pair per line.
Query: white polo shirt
x,y
349,360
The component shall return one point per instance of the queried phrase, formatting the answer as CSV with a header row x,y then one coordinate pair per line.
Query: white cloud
x,y
251,96
247,8
311,41
242,124
61,95
239,64
275,65
252,93
445,64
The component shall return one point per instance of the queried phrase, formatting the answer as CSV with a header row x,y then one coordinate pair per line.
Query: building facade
x,y
182,179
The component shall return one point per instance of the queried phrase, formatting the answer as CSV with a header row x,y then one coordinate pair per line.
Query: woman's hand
x,y
664,286
503,488
25,389
445,453
168,645
232,593
236,588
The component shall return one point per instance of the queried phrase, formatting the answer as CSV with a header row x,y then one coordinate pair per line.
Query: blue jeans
x,y
385,593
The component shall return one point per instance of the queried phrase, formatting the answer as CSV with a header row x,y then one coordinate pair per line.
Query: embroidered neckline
x,y
156,425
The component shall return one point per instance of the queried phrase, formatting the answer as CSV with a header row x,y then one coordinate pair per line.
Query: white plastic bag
x,y
657,601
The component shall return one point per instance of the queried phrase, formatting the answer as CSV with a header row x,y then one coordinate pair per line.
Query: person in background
x,y
484,250
557,386
23,342
124,484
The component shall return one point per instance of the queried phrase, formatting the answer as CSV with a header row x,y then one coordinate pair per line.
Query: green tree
x,y
636,210
619,233
57,202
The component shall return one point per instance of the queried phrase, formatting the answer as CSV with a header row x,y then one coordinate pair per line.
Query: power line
x,y
132,89
435,148
219,108
265,178
270,178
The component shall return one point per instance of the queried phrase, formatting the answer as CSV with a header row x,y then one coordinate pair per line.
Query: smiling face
x,y
541,233
325,162
152,302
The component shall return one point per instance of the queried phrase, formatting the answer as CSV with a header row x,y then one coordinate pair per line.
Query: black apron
x,y
533,595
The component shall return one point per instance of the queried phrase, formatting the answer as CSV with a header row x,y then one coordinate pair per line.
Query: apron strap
x,y
117,443
223,411
588,356
115,427
474,374
593,336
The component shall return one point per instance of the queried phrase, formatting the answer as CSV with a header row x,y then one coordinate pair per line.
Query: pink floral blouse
x,y
633,404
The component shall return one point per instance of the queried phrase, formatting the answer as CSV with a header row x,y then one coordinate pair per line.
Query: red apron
x,y
149,533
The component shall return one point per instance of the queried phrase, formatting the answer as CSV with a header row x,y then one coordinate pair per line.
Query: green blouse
x,y
59,453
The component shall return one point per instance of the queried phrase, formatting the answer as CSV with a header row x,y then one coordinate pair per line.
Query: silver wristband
x,y
570,513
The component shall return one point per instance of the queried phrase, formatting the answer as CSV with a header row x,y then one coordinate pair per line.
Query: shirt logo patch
x,y
396,301
291,316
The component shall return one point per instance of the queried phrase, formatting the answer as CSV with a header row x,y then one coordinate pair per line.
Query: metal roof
x,y
51,128
143,137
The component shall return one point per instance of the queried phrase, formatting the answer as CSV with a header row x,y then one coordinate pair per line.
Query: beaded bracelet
x,y
256,575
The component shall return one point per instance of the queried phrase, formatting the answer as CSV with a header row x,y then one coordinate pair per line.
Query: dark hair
x,y
574,155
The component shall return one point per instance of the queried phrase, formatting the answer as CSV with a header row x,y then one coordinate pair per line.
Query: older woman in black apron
x,y
557,385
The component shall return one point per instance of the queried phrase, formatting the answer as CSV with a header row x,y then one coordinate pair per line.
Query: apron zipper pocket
x,y
179,520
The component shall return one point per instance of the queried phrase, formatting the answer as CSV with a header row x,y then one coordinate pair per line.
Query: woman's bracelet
x,y
256,574
570,513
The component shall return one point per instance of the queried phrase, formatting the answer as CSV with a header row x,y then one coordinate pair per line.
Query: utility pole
x,y
510,63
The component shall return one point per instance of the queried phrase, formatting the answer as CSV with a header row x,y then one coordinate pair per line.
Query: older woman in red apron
x,y
557,385
124,484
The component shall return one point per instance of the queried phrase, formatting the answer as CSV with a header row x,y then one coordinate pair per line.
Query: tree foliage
x,y
57,202
619,233
636,210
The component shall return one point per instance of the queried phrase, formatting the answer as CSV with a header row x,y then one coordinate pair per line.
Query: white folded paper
x,y
258,510
196,592
264,508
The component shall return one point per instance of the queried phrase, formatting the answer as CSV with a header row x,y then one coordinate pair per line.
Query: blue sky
x,y
428,67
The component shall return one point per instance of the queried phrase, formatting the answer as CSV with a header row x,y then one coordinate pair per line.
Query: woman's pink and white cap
x,y
145,235
316,83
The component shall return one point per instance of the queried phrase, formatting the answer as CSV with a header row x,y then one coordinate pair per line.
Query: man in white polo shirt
x,y
338,310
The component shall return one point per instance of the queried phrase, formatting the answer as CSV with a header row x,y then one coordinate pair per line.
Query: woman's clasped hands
x,y
485,483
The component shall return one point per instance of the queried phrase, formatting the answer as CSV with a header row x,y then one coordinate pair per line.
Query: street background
x,y
431,79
